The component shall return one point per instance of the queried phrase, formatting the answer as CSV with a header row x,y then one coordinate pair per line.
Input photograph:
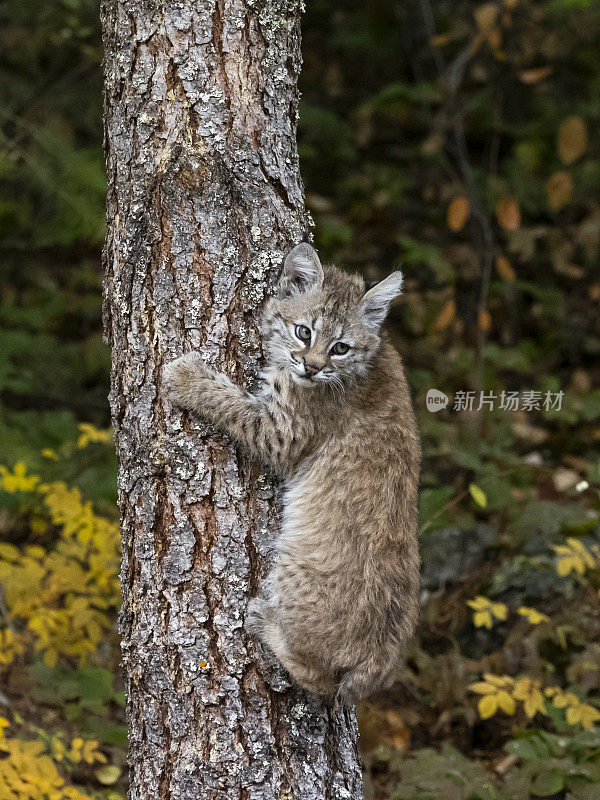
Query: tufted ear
x,y
302,271
376,303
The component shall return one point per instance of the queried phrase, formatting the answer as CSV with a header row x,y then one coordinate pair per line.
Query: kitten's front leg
x,y
189,382
196,387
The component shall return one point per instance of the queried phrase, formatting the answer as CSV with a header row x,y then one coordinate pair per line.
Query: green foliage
x,y
85,690
428,775
53,365
548,765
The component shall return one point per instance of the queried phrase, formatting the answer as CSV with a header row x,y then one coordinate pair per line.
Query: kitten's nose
x,y
311,369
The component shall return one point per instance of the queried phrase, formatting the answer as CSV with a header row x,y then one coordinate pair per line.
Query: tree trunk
x,y
204,198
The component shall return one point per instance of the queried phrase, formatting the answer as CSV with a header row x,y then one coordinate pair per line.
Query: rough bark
x,y
204,198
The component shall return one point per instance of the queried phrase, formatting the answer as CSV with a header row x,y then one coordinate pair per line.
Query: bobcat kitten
x,y
334,418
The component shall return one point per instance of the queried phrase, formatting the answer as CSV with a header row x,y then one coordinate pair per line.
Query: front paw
x,y
185,378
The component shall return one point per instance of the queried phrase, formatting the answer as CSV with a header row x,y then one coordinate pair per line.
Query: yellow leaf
x,y
479,603
537,699
509,216
588,715
483,688
50,657
522,688
505,702
562,548
478,495
58,749
560,701
487,706
500,611
576,544
570,563
482,619
8,552
91,753
572,140
458,213
498,680
534,617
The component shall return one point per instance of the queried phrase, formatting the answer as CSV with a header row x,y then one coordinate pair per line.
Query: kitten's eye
x,y
303,333
340,349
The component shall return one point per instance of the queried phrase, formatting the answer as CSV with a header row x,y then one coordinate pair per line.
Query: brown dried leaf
x,y
398,733
445,317
505,269
572,140
440,39
494,39
382,727
485,16
530,433
458,213
564,479
484,319
532,76
559,190
507,211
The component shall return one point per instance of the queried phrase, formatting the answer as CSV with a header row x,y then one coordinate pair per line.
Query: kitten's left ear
x,y
376,303
302,270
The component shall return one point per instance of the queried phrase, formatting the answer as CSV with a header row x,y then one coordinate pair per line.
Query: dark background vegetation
x,y
462,140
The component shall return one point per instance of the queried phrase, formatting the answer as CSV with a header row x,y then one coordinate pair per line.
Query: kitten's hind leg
x,y
255,624
309,675
256,616
261,622
369,676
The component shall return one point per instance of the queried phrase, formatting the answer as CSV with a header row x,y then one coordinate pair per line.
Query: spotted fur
x,y
342,599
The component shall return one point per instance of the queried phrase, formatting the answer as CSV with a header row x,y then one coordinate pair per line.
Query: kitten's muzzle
x,y
311,369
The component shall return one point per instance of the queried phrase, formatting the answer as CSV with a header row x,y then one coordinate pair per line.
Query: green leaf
x,y
108,774
547,782
431,503
478,495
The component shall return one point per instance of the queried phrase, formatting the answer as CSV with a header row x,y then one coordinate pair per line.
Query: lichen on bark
x,y
204,198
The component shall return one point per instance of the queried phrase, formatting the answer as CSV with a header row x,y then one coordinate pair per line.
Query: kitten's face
x,y
319,338
323,329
